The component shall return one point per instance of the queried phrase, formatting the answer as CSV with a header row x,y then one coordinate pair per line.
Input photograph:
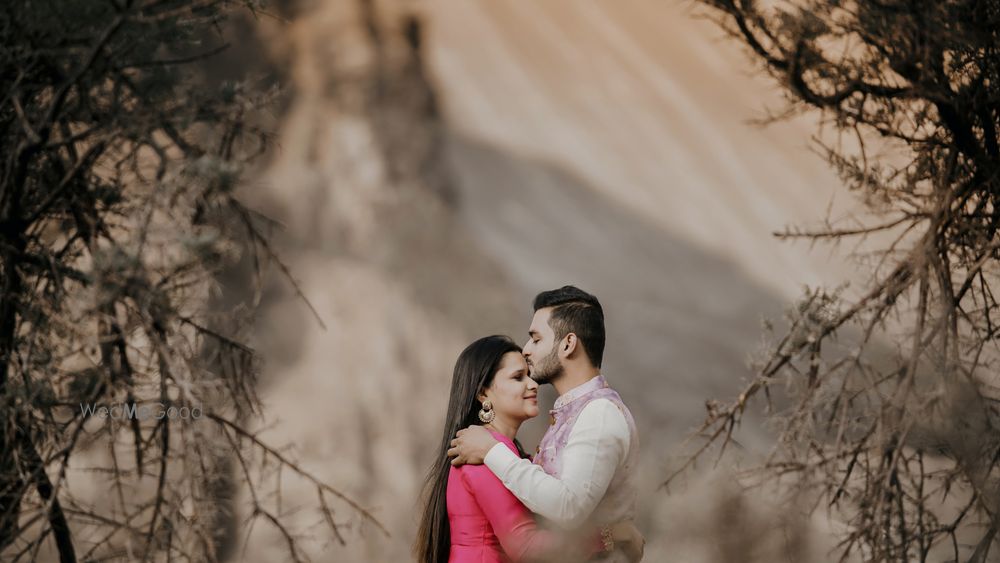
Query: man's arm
x,y
597,444
471,445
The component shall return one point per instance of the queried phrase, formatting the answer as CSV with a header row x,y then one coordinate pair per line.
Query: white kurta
x,y
597,485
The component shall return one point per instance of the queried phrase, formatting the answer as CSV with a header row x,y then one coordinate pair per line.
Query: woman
x,y
469,515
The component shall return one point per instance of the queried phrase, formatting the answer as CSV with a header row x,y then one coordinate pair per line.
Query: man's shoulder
x,y
605,411
608,403
601,404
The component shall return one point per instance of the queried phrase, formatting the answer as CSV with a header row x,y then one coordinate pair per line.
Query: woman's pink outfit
x,y
488,523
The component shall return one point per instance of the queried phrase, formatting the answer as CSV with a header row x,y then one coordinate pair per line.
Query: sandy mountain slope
x,y
604,144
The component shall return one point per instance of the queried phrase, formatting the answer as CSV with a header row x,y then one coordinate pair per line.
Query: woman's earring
x,y
486,413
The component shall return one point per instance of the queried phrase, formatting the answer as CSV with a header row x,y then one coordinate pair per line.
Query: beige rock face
x,y
603,144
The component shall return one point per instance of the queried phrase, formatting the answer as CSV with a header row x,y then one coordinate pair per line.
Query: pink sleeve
x,y
512,522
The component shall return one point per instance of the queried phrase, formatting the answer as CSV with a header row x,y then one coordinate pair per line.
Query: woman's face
x,y
513,393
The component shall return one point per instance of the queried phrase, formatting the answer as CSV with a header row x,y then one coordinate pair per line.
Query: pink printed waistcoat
x,y
562,417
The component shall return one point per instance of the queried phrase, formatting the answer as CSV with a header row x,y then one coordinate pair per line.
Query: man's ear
x,y
568,345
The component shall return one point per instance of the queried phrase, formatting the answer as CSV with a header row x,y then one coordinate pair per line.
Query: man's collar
x,y
579,391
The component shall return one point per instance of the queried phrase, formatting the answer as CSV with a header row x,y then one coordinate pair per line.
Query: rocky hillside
x,y
434,177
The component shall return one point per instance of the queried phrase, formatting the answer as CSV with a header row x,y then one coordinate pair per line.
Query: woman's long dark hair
x,y
474,371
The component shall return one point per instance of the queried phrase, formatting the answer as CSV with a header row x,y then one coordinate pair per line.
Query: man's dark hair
x,y
579,312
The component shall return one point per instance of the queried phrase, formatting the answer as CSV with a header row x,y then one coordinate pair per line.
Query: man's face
x,y
541,351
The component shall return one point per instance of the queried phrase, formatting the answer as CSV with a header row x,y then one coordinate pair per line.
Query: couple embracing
x,y
575,499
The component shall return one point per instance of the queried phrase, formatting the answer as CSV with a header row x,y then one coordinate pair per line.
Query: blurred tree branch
x,y
117,212
895,443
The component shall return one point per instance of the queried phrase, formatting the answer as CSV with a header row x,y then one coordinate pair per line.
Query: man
x,y
584,471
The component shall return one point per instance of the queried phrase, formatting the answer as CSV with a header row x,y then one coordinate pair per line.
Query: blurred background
x,y
441,162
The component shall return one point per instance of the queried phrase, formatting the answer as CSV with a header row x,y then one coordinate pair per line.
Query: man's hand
x,y
470,446
629,539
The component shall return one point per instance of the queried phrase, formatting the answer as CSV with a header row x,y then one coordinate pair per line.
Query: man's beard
x,y
548,369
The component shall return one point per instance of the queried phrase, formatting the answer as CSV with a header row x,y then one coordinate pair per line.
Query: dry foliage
x,y
117,214
901,444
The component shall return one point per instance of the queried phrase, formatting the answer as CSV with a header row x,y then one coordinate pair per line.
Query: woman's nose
x,y
532,384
